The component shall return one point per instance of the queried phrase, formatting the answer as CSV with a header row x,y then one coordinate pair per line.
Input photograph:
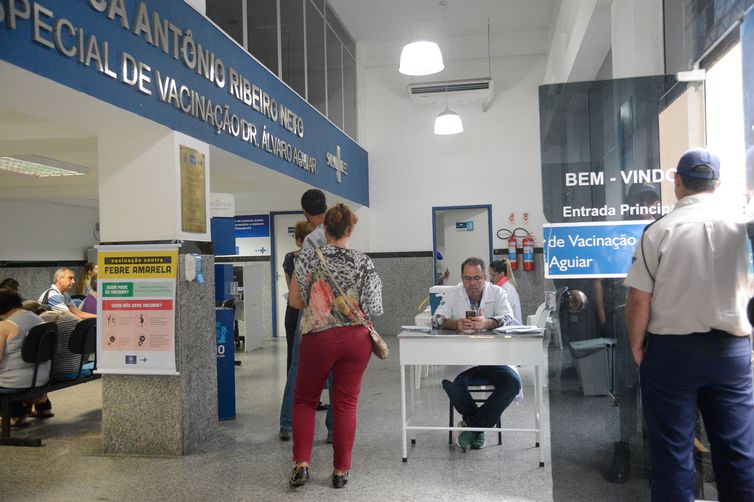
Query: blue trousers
x,y
507,385
711,371
286,408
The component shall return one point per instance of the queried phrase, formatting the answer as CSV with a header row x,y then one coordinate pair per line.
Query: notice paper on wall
x,y
136,309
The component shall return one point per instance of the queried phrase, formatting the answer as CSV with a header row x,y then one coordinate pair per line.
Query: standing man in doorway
x,y
476,305
686,321
314,206
57,298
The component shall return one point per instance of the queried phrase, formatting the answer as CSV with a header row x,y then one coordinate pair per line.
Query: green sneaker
x,y
464,438
479,441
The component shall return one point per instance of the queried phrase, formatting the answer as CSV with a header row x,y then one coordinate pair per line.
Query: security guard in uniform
x,y
686,320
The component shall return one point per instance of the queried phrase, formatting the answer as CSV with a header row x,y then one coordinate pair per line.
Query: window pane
x,y
349,96
340,30
261,23
228,15
334,80
315,58
320,4
292,43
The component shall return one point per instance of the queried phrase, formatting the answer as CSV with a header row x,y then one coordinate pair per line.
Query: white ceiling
x,y
26,126
389,21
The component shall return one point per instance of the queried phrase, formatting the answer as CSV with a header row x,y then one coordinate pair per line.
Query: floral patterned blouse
x,y
325,307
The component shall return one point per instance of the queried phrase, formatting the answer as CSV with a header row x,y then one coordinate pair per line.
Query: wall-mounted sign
x,y
580,250
193,191
465,226
222,205
165,61
253,226
136,305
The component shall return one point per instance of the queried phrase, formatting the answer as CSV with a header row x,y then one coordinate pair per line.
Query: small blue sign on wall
x,y
582,250
253,226
464,226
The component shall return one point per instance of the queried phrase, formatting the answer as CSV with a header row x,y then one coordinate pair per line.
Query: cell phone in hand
x,y
470,314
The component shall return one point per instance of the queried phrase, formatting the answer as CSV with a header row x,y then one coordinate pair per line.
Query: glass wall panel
x,y
340,31
262,26
315,58
334,80
292,44
350,125
693,26
600,163
228,15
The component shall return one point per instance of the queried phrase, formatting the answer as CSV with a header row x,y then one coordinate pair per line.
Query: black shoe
x,y
299,476
620,469
339,481
322,406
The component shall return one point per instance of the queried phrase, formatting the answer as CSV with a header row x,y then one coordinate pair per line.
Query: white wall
x,y
496,160
41,231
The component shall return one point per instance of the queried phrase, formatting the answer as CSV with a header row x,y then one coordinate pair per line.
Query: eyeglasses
x,y
473,278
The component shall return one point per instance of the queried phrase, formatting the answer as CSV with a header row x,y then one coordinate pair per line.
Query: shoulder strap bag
x,y
379,347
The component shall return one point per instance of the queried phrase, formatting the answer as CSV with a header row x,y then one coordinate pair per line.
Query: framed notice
x,y
193,191
136,301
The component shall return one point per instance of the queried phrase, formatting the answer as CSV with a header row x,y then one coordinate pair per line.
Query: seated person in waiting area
x,y
90,302
57,298
474,305
15,324
66,363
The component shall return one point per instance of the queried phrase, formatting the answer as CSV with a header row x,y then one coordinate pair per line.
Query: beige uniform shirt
x,y
694,261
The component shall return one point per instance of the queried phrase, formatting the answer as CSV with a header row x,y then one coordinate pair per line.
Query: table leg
x,y
537,407
403,412
417,376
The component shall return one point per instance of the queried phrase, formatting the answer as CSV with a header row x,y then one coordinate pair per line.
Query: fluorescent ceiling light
x,y
448,122
421,57
41,167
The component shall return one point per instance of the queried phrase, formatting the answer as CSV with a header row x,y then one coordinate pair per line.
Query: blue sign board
x,y
253,226
581,250
464,226
165,61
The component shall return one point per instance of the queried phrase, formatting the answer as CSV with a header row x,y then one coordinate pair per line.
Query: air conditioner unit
x,y
458,92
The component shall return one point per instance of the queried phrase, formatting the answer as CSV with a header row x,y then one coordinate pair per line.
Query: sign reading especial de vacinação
x,y
166,52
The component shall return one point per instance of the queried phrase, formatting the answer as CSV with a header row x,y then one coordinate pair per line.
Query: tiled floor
x,y
246,461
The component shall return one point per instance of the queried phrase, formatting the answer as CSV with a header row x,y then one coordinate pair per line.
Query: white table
x,y
484,348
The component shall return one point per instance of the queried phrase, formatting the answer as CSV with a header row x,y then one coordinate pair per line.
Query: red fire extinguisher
x,y
528,252
512,244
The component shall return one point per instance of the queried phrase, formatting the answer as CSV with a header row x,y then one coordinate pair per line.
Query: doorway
x,y
459,232
282,243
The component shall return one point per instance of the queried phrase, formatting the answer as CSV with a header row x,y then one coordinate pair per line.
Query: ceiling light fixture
x,y
448,122
41,167
420,56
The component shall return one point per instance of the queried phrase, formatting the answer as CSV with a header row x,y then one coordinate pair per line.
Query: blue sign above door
x,y
165,61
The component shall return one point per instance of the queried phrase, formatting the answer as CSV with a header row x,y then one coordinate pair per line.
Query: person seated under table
x,y
477,305
15,373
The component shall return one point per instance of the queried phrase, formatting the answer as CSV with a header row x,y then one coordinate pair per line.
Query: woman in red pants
x,y
333,339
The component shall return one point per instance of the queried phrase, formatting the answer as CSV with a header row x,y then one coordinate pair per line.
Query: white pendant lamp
x,y
421,57
448,122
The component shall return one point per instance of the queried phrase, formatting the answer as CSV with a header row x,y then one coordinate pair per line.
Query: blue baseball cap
x,y
699,157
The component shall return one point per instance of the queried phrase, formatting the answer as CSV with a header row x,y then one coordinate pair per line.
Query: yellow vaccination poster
x,y
136,305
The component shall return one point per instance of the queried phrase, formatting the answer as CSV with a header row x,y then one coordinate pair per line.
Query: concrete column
x,y
140,202
637,38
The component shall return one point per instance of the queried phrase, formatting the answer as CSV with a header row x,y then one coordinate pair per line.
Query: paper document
x,y
517,329
421,329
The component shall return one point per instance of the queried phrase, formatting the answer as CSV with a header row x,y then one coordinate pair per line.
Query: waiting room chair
x,y
83,341
38,347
